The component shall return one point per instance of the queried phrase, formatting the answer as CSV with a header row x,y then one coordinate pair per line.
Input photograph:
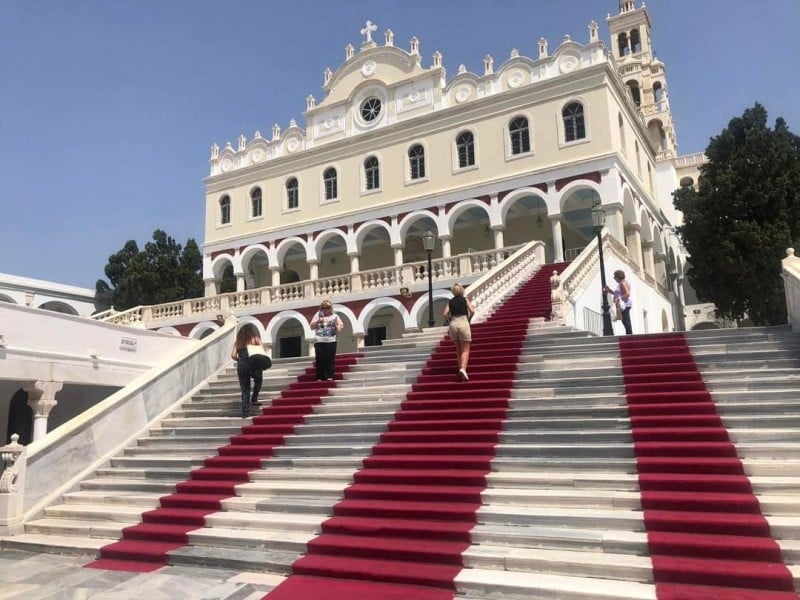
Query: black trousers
x,y
626,321
245,374
325,359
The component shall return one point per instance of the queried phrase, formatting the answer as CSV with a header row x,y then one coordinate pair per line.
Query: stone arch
x,y
283,345
380,238
412,226
575,202
524,213
220,263
655,131
169,331
470,225
255,262
293,262
419,310
250,320
59,307
376,304
283,317
9,299
202,330
331,247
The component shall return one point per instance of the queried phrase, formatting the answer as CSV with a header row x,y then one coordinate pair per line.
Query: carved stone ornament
x,y
226,165
568,63
368,68
516,78
463,93
9,456
257,155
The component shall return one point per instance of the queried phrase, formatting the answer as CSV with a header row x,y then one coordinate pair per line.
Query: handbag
x,y
618,314
257,358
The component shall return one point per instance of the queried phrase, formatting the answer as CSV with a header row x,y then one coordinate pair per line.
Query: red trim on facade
x,y
593,176
221,252
541,186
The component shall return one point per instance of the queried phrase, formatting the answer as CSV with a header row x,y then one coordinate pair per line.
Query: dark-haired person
x,y
247,336
622,299
326,325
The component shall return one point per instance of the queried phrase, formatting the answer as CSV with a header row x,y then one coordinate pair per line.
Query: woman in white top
x,y
326,325
622,299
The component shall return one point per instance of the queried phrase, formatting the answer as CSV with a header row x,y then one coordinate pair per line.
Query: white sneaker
x,y
463,374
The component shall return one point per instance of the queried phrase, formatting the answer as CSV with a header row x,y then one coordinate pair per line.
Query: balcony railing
x,y
386,280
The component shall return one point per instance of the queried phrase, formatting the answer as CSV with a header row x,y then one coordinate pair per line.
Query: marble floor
x,y
57,577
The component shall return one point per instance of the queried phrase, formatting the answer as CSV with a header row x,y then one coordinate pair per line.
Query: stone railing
x,y
522,264
385,279
689,160
790,272
12,480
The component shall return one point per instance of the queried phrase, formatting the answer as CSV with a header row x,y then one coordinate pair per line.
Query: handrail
x,y
790,272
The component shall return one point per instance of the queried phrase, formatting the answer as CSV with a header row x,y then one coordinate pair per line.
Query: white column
x,y
355,267
498,236
241,284
647,259
313,269
276,276
633,240
445,245
210,285
398,255
42,399
558,241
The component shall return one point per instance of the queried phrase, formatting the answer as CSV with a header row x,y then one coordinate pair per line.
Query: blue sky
x,y
108,108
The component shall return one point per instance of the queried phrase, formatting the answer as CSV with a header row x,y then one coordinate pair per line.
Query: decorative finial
x,y
414,45
567,38
276,131
242,142
593,31
349,51
542,47
367,33
388,36
514,53
292,123
311,102
327,74
437,59
462,68
214,151
257,135
488,65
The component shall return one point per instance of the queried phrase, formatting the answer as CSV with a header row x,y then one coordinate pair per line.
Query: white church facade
x,y
487,162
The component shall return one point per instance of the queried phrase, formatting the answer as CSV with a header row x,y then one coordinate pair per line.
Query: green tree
x,y
163,272
743,215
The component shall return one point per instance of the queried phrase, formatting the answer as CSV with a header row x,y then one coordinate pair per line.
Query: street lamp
x,y
429,241
599,221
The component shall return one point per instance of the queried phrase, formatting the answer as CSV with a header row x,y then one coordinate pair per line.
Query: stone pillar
x,y
359,338
498,236
633,241
398,255
13,460
615,221
210,285
42,399
445,245
276,276
313,270
558,241
355,267
241,283
310,343
648,265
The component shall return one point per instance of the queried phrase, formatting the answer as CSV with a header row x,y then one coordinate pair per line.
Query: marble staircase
x,y
561,515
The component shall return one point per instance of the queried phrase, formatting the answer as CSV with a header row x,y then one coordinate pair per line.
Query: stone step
x,y
39,543
104,530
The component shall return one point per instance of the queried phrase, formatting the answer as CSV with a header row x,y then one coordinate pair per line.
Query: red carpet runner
x,y
144,547
706,534
403,525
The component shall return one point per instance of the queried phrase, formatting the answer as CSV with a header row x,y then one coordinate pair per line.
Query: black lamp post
x,y
599,221
429,241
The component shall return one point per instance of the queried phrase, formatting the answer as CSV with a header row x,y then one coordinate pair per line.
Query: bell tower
x,y
643,74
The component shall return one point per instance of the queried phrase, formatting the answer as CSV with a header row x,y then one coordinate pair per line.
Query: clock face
x,y
371,109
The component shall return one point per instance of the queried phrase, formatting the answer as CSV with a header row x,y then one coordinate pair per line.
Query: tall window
x,y
520,138
574,125
256,206
331,184
465,144
372,173
292,194
416,158
225,210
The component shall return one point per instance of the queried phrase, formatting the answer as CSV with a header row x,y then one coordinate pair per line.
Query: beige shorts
x,y
460,330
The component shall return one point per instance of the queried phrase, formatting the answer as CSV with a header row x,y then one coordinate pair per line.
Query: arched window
x,y
331,184
465,145
636,41
292,194
621,131
225,210
622,40
416,160
574,124
519,135
633,86
372,173
256,206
